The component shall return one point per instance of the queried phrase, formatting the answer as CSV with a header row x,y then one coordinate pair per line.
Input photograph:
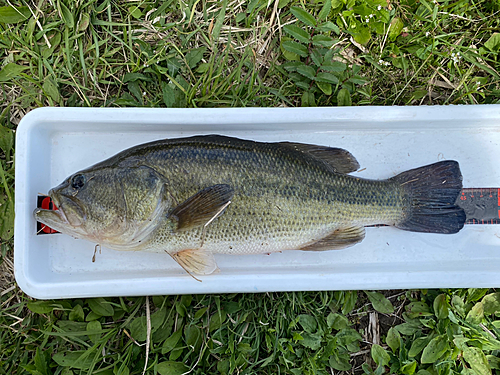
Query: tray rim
x,y
387,115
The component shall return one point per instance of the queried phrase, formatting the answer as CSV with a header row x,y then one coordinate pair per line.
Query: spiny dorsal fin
x,y
203,207
196,261
339,159
338,239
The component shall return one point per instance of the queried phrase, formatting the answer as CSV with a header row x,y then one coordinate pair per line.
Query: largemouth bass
x,y
204,195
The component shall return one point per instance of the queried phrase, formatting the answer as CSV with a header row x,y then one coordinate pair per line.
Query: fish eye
x,y
78,181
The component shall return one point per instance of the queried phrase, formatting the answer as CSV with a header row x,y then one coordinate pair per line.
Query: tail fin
x,y
432,192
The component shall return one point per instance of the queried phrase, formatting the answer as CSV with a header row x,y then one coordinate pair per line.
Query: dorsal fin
x,y
342,161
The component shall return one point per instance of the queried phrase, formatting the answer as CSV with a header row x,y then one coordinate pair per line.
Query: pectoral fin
x,y
203,207
197,261
338,239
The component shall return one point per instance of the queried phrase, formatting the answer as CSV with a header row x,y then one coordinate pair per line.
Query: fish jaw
x,y
58,219
53,219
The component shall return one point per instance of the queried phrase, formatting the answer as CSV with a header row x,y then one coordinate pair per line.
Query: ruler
x,y
481,206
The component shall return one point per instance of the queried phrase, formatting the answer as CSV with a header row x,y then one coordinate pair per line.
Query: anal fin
x,y
338,239
196,261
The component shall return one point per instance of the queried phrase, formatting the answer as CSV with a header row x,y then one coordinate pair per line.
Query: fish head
x,y
90,205
116,206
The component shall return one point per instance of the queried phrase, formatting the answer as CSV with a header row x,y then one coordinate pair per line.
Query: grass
x,y
222,53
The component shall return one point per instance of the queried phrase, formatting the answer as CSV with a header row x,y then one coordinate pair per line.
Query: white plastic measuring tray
x,y
53,143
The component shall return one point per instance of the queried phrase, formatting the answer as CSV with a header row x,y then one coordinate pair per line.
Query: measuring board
x,y
481,206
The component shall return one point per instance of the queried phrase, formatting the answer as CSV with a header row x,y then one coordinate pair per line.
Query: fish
x,y
199,196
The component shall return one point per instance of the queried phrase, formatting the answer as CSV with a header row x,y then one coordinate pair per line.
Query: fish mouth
x,y
57,205
68,214
41,213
